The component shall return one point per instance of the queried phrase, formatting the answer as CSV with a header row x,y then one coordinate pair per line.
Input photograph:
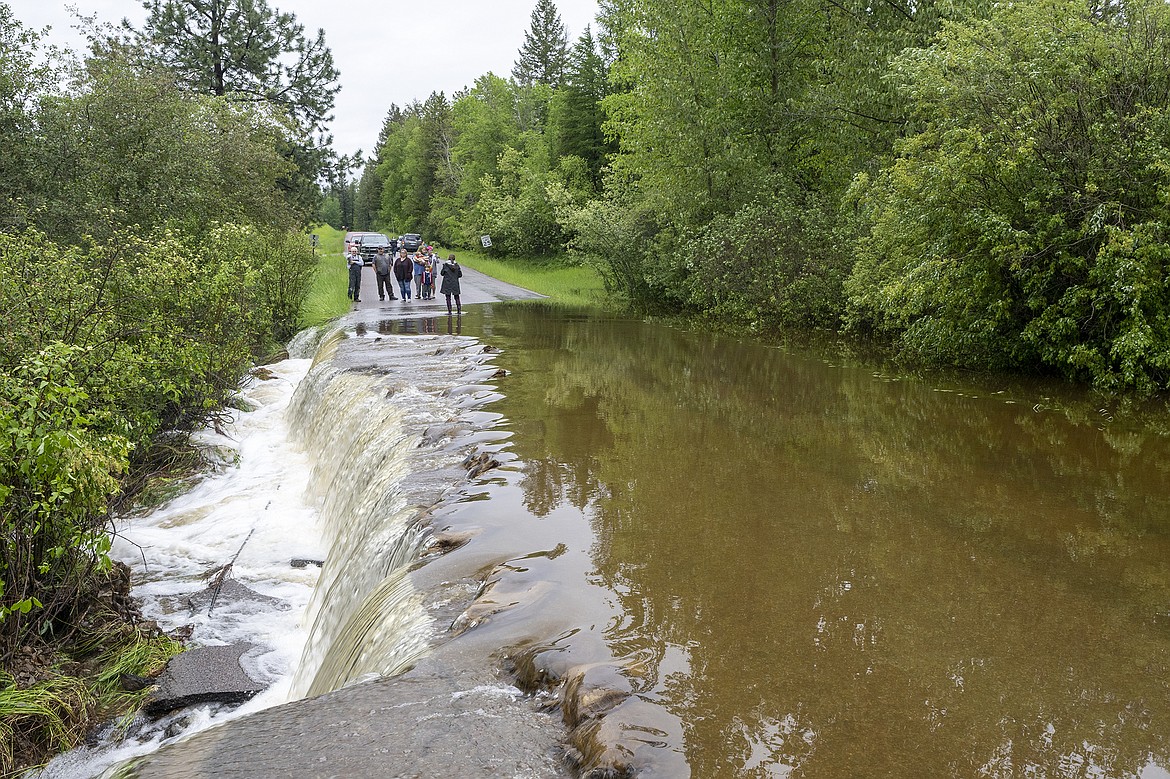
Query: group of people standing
x,y
422,268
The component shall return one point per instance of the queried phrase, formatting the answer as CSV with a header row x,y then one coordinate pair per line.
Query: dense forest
x,y
977,184
152,248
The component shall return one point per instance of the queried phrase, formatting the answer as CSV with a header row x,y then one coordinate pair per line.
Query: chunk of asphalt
x,y
206,674
228,592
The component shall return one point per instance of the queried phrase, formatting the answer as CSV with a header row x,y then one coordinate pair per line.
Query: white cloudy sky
x,y
393,51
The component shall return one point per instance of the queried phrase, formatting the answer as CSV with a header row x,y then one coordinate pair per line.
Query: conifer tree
x,y
248,51
544,54
577,108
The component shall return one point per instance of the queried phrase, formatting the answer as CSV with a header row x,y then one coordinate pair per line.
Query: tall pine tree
x,y
545,52
248,51
576,111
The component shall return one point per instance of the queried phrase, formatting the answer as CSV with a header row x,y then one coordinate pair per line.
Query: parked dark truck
x,y
369,244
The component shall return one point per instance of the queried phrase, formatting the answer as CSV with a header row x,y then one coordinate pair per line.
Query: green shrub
x,y
1024,224
769,264
57,474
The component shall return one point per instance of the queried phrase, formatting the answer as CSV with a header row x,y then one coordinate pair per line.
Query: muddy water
x,y
706,557
823,572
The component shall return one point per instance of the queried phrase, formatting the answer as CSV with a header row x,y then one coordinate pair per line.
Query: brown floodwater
x,y
821,571
748,561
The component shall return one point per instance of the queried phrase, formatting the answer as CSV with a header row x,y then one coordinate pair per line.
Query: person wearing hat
x,y
451,274
382,270
354,261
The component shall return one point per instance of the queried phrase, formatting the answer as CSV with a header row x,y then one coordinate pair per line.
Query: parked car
x,y
411,242
369,244
352,239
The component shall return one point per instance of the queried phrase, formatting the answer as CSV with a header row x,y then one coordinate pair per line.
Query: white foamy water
x,y
250,510
338,459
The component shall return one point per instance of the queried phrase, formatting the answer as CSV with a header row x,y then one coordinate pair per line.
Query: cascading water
x,y
344,470
380,422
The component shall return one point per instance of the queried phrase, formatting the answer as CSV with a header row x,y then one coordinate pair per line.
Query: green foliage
x,y
767,265
131,149
24,77
152,336
330,212
1024,224
149,251
514,207
57,474
247,51
45,718
417,171
255,57
575,113
620,239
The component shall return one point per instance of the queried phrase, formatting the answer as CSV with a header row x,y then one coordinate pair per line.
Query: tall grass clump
x,y
326,298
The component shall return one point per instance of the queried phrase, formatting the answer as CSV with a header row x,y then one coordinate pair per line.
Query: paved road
x,y
476,288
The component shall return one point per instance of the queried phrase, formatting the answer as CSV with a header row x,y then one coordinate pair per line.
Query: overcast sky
x,y
393,51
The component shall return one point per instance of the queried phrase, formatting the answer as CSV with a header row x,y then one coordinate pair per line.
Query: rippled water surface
x,y
821,572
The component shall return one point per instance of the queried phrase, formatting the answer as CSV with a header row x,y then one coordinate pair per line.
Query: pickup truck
x,y
369,244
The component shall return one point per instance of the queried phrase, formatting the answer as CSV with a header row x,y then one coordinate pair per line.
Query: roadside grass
x,y
574,285
54,714
326,299
41,720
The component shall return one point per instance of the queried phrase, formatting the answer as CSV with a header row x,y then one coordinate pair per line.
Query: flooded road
x,y
692,555
826,573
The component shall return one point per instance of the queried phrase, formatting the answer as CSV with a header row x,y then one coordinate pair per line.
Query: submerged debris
x,y
477,464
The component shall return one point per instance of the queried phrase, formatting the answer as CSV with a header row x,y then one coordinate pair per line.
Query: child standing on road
x,y
428,282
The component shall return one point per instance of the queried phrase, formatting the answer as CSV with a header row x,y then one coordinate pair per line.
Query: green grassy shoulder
x,y
326,299
575,285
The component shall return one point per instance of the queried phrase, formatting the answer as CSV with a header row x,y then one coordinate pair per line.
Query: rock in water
x,y
209,674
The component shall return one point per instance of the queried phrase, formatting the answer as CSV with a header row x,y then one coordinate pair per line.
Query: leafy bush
x,y
1024,224
57,473
768,264
143,336
620,242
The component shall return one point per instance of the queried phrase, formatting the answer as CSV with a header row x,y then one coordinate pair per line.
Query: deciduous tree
x,y
1025,224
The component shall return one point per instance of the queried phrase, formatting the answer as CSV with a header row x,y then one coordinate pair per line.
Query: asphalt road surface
x,y
475,288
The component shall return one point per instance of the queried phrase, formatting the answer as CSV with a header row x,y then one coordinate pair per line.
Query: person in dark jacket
x,y
404,272
451,274
383,265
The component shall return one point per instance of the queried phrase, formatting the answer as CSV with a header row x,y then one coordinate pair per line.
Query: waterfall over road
x,y
335,460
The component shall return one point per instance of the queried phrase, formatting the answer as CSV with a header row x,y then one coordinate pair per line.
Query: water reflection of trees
x,y
862,574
